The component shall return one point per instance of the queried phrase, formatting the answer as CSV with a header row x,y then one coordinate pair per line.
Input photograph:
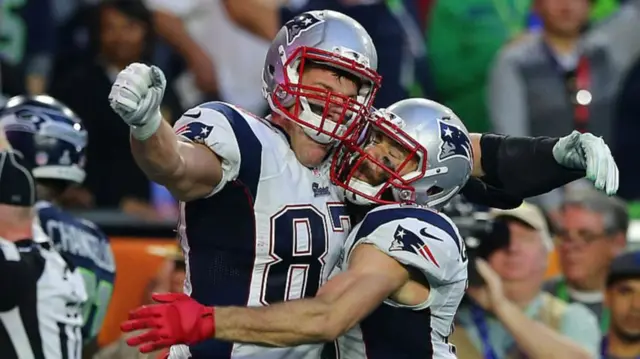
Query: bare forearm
x,y
158,156
339,304
281,325
529,335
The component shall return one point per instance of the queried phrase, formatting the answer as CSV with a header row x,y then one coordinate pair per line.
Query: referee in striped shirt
x,y
41,294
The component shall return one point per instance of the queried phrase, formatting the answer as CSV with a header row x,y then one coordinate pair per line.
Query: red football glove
x,y
178,319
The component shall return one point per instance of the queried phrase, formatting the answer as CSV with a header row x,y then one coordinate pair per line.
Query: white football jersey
x,y
271,231
51,329
429,242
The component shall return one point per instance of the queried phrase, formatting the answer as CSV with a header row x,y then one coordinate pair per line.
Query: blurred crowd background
x,y
517,67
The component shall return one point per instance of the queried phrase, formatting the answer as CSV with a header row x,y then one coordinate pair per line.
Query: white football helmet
x,y
432,137
328,39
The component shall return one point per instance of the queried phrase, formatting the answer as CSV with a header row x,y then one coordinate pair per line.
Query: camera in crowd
x,y
482,234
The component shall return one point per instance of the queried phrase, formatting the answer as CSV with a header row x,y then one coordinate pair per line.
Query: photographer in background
x,y
623,303
506,314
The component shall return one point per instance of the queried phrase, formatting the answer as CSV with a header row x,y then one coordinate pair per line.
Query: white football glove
x,y
587,152
136,96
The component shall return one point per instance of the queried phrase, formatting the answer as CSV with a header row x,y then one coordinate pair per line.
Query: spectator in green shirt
x,y
463,37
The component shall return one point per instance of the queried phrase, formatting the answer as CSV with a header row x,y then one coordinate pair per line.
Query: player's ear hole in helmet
x,y
324,40
416,151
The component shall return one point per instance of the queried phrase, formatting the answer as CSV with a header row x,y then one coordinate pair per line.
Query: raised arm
x,y
530,166
192,160
188,170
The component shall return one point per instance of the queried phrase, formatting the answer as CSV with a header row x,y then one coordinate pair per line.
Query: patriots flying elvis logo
x,y
194,131
300,24
455,143
405,240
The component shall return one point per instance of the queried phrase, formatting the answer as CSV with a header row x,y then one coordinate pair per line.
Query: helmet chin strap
x,y
363,187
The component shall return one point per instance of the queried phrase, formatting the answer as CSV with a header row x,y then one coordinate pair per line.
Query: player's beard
x,y
368,173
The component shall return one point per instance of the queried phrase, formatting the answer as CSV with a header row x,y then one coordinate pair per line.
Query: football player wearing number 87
x,y
403,266
260,222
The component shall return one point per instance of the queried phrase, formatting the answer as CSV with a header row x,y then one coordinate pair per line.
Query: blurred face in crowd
x,y
121,37
623,301
564,17
309,152
585,249
526,256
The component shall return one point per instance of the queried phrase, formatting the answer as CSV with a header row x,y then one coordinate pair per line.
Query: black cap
x,y
17,187
624,266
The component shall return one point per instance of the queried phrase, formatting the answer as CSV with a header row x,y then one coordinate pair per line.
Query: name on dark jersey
x,y
76,241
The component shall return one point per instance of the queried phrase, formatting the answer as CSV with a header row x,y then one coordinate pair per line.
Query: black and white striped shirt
x,y
40,303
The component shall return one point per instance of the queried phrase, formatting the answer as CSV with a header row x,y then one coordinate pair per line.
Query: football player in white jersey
x,y
259,223
404,264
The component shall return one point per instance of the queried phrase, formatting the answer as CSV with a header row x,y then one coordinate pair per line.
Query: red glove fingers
x,y
148,336
150,341
179,319
137,324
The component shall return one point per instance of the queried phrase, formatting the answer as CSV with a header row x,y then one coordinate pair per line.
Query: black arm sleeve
x,y
481,193
523,166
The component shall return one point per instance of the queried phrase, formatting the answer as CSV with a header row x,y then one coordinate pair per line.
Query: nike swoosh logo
x,y
423,232
193,115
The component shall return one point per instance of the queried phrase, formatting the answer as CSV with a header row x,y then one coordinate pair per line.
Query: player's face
x,y
623,300
585,250
309,152
388,152
121,37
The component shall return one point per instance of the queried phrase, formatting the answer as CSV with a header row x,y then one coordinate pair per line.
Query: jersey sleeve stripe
x,y
248,143
375,219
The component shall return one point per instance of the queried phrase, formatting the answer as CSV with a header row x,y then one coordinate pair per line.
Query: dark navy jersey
x,y
270,231
428,242
88,248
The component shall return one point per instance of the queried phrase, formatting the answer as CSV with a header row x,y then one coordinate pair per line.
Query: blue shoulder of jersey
x,y
80,239
248,143
386,214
